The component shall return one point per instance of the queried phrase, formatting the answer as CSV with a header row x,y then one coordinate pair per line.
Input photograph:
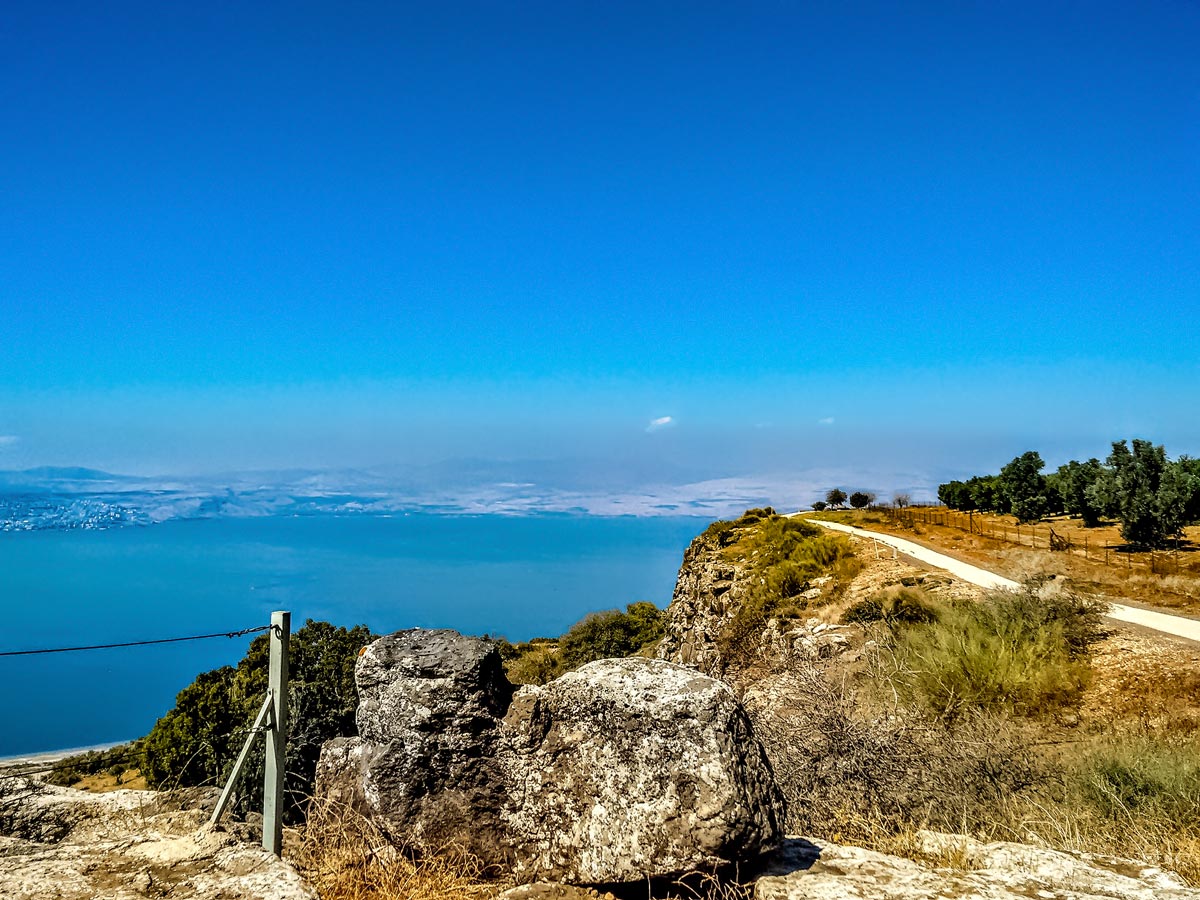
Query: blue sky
x,y
926,237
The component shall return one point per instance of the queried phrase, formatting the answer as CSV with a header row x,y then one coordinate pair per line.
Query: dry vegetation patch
x,y
1172,581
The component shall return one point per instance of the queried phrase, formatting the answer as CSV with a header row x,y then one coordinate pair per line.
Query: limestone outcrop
x,y
128,845
618,771
634,767
963,869
710,590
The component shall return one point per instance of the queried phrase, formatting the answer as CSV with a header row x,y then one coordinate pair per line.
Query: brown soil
x,y
1167,581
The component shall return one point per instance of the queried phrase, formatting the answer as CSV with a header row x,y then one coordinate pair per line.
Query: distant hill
x,y
64,479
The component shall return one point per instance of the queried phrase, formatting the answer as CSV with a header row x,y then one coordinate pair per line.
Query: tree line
x,y
836,498
1153,496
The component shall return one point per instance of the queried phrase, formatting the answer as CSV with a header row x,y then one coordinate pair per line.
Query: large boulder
x,y
622,770
635,767
423,766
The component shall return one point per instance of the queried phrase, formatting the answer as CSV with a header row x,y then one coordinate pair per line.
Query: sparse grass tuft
x,y
1018,652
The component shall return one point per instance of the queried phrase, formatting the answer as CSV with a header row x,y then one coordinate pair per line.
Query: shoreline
x,y
46,757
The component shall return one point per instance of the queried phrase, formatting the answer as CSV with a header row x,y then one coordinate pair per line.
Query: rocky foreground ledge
x,y
127,845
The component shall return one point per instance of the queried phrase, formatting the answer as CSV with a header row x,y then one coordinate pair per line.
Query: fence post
x,y
273,770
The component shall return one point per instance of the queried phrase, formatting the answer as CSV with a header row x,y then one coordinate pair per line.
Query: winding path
x,y
1179,626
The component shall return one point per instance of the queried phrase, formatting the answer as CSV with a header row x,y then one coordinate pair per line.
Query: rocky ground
x,y
66,844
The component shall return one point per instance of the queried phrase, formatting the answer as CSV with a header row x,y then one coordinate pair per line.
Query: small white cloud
x,y
828,420
7,440
660,423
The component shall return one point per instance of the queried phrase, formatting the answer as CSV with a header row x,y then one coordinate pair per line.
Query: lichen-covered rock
x,y
708,593
126,845
423,766
621,770
819,870
628,768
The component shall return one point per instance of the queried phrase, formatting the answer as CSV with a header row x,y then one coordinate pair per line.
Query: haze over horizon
x,y
885,246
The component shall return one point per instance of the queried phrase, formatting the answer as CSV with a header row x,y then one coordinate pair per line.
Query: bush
x,y
1015,652
1149,777
723,532
613,634
893,608
603,635
534,663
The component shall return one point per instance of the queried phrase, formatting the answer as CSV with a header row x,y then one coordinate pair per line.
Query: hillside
x,y
921,733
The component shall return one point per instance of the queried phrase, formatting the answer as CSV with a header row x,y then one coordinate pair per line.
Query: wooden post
x,y
277,685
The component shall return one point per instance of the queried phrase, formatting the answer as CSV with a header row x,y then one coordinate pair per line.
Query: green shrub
x,y
723,532
536,663
612,634
1147,777
893,608
1015,652
787,579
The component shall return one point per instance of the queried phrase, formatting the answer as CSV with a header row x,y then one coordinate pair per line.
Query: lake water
x,y
514,576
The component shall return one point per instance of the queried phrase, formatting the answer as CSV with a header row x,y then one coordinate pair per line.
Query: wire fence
x,y
1041,537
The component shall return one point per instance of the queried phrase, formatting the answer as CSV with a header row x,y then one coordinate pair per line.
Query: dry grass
x,y
103,782
1126,576
344,856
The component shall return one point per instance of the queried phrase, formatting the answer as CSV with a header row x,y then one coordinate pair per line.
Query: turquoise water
x,y
517,577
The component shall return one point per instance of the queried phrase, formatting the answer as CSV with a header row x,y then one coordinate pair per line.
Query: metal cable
x,y
174,640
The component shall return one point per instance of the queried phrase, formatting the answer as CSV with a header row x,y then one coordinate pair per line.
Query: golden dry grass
x,y
1173,583
102,782
344,856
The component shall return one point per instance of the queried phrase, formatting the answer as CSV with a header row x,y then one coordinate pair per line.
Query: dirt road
x,y
1179,626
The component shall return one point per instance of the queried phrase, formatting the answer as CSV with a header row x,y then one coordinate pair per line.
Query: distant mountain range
x,y
72,497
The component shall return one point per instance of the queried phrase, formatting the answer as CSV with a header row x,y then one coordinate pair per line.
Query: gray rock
x,y
621,770
552,890
629,768
708,593
819,870
424,765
